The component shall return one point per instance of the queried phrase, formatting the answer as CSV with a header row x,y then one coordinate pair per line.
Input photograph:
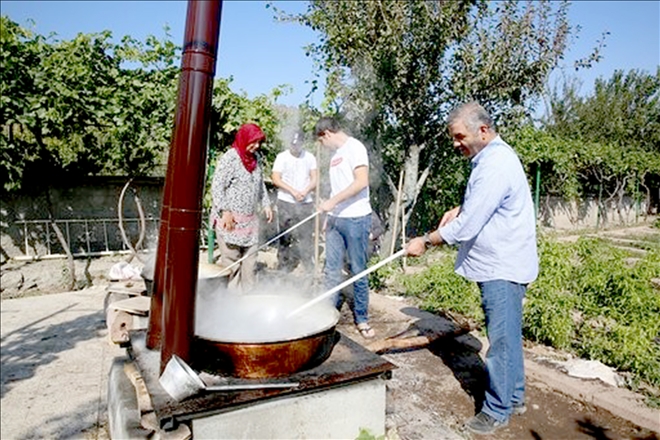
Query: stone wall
x,y
86,213
561,214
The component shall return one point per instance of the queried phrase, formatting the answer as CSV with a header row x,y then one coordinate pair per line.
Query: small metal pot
x,y
210,277
180,381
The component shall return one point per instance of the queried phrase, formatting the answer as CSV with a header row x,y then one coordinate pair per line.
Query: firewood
x,y
400,341
119,323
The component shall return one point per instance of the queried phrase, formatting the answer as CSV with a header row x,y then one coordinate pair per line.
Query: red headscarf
x,y
247,134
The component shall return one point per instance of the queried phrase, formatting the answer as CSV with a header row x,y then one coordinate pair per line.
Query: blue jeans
x,y
348,237
502,304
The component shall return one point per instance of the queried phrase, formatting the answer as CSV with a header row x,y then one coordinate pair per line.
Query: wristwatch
x,y
427,240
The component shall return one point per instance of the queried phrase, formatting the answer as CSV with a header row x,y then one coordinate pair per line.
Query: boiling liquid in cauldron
x,y
259,318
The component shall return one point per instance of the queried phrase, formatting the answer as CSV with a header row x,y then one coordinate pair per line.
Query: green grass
x,y
440,289
587,300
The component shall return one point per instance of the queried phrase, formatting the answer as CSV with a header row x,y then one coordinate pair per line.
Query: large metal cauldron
x,y
250,336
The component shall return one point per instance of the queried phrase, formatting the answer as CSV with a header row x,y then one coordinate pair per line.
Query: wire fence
x,y
88,237
84,237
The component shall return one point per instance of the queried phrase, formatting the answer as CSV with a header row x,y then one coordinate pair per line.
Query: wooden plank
x,y
129,288
138,305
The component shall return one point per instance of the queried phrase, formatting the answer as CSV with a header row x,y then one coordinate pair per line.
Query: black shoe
x,y
519,409
482,423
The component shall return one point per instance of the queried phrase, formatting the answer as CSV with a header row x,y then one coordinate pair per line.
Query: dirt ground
x,y
434,388
438,387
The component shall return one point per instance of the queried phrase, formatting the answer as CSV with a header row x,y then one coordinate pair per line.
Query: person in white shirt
x,y
349,216
295,174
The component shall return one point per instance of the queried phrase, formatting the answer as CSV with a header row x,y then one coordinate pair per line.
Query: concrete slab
x,y
336,413
55,358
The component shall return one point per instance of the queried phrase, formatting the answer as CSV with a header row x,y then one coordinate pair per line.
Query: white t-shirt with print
x,y
351,155
295,173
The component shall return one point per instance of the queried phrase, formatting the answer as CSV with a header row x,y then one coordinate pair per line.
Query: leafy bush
x,y
440,288
587,300
378,279
621,309
548,310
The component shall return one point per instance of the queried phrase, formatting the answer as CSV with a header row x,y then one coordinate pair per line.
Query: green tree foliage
x,y
622,110
505,60
72,108
396,75
18,53
231,110
601,145
89,106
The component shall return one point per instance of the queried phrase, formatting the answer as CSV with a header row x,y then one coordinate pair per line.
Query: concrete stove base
x,y
338,412
334,413
336,399
125,419
123,411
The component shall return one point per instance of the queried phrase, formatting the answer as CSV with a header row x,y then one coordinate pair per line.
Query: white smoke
x,y
260,316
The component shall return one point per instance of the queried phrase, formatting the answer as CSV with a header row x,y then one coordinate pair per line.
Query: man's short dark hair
x,y
326,123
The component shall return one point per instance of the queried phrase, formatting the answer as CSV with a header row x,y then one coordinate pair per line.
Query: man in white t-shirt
x,y
295,175
349,216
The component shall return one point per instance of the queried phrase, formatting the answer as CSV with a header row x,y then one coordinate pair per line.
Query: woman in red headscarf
x,y
239,194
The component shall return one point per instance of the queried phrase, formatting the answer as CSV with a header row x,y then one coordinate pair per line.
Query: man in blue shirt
x,y
495,229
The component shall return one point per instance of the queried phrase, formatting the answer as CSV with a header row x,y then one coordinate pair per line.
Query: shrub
x,y
587,300
549,308
440,289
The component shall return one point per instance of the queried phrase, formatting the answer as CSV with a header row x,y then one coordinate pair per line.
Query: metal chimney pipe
x,y
184,187
156,313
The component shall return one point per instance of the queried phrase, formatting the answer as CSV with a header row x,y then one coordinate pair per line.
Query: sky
x,y
261,53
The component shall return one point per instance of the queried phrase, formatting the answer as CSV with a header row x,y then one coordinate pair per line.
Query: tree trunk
x,y
412,185
62,240
69,256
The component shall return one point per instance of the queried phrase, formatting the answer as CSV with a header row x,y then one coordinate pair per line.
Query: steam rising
x,y
258,317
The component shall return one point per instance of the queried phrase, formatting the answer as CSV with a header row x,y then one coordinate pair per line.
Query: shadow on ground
x,y
554,416
69,425
30,347
460,356
588,428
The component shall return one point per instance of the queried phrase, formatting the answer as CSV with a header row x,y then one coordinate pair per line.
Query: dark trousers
x,y
296,246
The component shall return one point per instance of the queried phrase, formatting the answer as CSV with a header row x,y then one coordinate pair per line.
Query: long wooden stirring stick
x,y
273,239
346,283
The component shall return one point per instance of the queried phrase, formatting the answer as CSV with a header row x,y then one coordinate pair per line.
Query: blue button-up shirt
x,y
496,226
